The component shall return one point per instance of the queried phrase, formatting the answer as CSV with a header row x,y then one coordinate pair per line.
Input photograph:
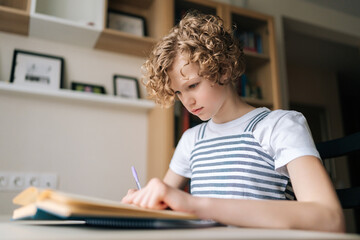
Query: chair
x,y
349,197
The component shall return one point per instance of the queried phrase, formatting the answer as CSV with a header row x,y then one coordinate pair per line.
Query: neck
x,y
234,107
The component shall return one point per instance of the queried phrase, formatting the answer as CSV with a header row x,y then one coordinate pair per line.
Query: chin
x,y
204,118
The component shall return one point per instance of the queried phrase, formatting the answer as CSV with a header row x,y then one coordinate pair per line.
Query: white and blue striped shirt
x,y
236,165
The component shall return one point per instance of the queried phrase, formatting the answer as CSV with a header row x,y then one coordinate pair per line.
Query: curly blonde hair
x,y
204,40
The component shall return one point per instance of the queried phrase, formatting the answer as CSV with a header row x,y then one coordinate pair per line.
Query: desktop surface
x,y
74,230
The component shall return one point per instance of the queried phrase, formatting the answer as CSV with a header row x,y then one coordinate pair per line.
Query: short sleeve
x,y
291,138
180,162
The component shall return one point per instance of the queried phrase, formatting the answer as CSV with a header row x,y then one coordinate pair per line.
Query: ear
x,y
224,79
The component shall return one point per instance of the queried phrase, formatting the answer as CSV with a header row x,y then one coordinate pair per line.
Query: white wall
x,y
90,146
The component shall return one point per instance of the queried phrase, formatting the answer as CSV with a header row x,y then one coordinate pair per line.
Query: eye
x,y
193,85
177,92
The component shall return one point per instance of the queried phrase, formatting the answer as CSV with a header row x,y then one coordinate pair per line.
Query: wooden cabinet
x,y
261,67
14,16
85,23
156,15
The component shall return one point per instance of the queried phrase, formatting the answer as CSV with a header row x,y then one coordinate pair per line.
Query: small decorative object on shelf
x,y
85,87
37,70
126,22
127,87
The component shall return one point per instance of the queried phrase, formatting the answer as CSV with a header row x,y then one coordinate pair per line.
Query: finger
x,y
156,200
126,199
140,198
129,197
144,201
157,203
131,191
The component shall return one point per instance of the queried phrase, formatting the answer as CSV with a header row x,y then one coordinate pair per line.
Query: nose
x,y
188,100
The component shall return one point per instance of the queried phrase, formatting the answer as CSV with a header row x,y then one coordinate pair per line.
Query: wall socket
x,y
14,181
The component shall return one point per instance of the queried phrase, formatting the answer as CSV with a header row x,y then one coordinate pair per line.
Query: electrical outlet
x,y
15,181
49,180
4,181
32,180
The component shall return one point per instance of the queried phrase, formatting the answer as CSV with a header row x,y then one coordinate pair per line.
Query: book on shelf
x,y
250,41
44,205
185,120
249,88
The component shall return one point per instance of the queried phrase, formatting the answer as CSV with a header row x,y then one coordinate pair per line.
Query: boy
x,y
246,164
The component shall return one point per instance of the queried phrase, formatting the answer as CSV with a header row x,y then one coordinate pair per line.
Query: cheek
x,y
217,93
217,100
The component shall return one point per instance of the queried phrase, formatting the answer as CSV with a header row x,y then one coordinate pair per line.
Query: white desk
x,y
17,230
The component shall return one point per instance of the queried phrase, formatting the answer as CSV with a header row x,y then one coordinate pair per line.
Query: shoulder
x,y
277,116
280,119
285,135
180,160
190,136
282,123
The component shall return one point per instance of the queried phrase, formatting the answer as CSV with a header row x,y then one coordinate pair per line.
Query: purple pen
x,y
136,177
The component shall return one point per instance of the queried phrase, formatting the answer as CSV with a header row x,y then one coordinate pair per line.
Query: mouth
x,y
196,110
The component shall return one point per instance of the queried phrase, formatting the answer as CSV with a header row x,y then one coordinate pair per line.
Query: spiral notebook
x,y
43,206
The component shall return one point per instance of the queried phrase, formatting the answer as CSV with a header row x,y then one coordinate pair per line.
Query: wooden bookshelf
x,y
14,16
133,45
261,67
156,22
160,16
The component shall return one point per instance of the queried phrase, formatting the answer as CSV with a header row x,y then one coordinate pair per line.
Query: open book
x,y
38,204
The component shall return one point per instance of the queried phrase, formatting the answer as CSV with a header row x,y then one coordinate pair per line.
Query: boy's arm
x,y
316,208
174,180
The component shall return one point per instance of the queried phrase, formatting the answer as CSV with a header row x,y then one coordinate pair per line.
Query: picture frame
x,y
126,22
89,88
37,70
127,87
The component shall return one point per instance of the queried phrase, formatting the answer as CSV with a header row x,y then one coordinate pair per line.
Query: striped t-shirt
x,y
235,165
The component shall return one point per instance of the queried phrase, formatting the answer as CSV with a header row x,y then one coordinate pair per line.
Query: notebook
x,y
51,205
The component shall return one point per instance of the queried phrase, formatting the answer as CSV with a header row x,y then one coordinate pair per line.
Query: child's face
x,y
200,96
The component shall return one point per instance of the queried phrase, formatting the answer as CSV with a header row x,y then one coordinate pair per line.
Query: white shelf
x,y
77,22
89,98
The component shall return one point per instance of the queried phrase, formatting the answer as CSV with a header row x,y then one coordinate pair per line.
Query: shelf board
x,y
53,29
254,59
14,20
141,4
130,44
256,55
55,21
72,96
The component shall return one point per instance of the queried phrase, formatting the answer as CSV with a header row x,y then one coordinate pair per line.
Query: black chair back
x,y
349,197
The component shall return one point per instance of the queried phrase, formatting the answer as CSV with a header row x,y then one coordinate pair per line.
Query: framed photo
x,y
126,22
85,87
37,70
127,87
